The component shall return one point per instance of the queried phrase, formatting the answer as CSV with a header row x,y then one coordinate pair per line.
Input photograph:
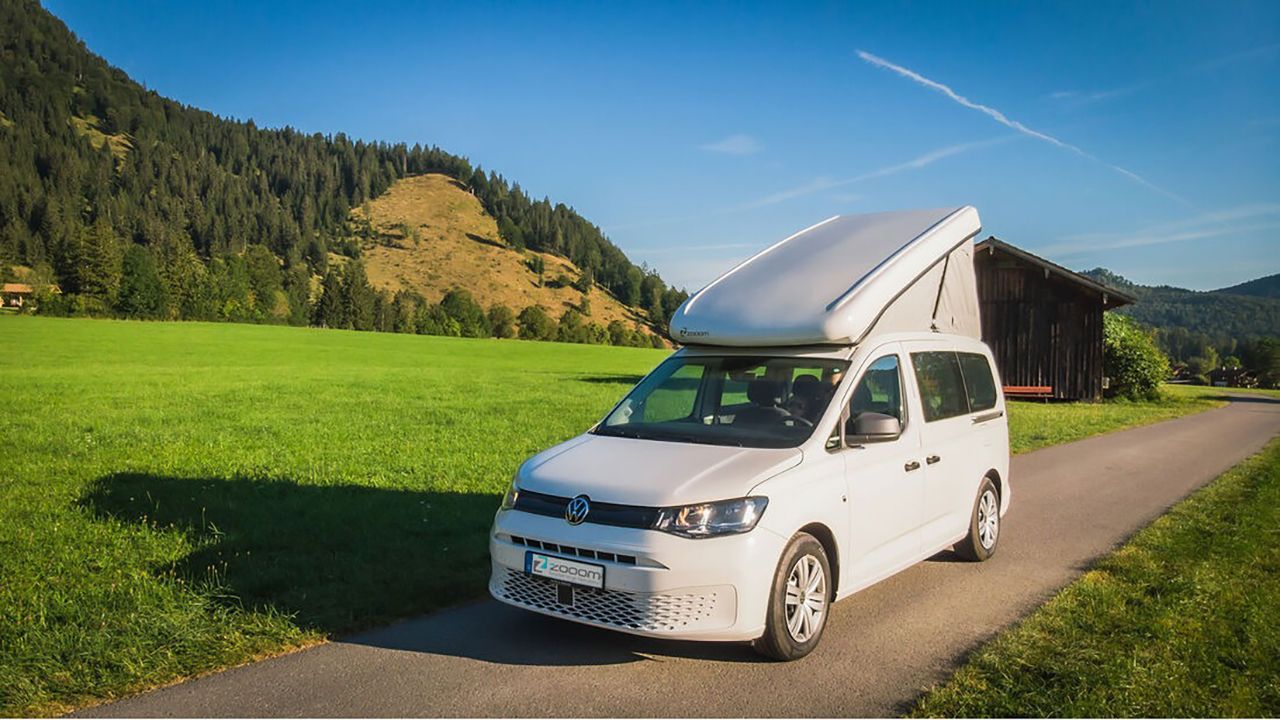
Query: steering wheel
x,y
798,419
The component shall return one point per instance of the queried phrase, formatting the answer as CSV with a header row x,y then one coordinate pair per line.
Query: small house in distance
x,y
1043,322
14,295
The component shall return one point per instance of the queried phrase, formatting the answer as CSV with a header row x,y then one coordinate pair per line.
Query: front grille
x,y
575,551
602,513
650,612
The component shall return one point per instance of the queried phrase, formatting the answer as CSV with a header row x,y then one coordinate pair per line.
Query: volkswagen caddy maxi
x,y
831,419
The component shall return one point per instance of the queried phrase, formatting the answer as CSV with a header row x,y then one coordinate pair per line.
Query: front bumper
x,y
655,584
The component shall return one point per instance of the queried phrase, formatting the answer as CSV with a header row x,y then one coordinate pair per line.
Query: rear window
x,y
978,381
941,384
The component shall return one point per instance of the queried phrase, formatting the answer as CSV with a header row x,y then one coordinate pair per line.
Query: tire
x,y
793,630
984,525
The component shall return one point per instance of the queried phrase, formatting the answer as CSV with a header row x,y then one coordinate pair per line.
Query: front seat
x,y
766,398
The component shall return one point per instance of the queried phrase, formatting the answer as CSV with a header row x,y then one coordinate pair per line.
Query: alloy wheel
x,y
988,520
806,601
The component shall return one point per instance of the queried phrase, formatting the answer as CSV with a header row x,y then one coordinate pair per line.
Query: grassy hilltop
x,y
431,235
181,497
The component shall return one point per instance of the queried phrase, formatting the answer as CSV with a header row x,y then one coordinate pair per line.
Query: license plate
x,y
569,571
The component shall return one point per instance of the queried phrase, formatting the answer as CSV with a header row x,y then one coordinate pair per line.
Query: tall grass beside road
x,y
1183,621
1034,424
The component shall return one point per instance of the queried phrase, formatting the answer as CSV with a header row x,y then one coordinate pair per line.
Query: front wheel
x,y
799,602
984,525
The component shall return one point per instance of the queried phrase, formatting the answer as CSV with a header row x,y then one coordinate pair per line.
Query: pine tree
x,y
329,312
142,294
98,263
357,297
263,270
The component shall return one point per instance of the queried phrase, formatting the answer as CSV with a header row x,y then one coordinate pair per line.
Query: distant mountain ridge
x,y
1268,286
1244,311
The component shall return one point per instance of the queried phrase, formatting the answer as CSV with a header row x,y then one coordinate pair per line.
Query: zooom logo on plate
x,y
565,570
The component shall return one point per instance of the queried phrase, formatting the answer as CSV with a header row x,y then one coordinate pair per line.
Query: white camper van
x,y
831,419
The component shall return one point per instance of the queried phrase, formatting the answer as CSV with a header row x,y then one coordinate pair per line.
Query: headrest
x,y
765,392
806,386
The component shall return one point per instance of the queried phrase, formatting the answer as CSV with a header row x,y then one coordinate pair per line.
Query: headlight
x,y
710,519
509,499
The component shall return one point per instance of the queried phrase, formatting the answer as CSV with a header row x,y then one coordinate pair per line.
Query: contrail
x,y
1003,119
823,183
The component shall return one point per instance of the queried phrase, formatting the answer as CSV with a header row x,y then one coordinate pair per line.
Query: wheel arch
x,y
994,475
827,539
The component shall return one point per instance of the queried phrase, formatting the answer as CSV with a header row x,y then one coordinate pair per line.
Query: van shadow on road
x,y
492,632
338,559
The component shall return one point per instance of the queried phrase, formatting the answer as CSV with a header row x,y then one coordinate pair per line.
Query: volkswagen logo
x,y
576,511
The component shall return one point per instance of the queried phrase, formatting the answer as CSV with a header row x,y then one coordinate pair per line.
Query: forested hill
x,y
94,166
1220,314
1268,286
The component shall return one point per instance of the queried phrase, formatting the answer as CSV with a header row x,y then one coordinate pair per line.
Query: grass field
x,y
180,497
1035,425
1183,621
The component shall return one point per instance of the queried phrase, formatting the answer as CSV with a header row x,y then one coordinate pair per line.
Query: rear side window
x,y
978,380
941,385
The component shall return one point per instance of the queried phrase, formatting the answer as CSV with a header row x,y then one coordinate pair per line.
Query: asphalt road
x,y
884,645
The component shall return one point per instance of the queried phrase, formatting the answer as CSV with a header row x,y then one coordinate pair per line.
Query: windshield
x,y
766,402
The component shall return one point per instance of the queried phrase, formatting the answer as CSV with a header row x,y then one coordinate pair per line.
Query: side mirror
x,y
870,427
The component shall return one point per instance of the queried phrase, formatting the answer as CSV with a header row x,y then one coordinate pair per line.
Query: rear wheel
x,y
984,525
799,602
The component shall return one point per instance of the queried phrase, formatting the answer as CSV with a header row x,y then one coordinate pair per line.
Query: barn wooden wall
x,y
1043,331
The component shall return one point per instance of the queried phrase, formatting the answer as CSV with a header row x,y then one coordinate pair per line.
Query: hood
x,y
652,473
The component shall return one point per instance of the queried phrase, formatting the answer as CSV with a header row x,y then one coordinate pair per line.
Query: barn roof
x,y
837,281
1111,297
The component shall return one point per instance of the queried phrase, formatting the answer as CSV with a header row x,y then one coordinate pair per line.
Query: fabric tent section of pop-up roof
x,y
843,279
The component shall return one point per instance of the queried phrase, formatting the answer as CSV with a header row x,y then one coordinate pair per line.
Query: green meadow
x,y
180,497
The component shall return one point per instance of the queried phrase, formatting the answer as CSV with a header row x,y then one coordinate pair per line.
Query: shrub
x,y
535,324
1131,360
571,329
459,305
502,321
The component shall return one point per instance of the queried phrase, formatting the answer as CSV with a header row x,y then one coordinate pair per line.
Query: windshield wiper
x,y
702,440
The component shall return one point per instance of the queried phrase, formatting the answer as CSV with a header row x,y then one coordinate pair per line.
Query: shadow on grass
x,y
340,559
1246,398
336,558
487,241
621,380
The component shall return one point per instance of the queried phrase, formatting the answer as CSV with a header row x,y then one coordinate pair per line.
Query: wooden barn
x,y
1043,322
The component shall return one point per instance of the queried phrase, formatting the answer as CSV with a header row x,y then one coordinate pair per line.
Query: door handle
x,y
913,465
932,459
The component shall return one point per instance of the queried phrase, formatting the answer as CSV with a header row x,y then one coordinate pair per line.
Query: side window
x,y
978,380
942,389
879,390
675,397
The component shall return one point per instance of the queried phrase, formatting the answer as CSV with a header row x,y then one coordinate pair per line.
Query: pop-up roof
x,y
842,280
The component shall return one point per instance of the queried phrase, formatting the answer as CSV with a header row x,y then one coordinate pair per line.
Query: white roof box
x,y
842,280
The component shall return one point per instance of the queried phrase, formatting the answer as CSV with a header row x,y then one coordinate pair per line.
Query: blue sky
x,y
1143,138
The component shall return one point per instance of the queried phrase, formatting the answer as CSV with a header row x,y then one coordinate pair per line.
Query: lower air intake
x,y
649,612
